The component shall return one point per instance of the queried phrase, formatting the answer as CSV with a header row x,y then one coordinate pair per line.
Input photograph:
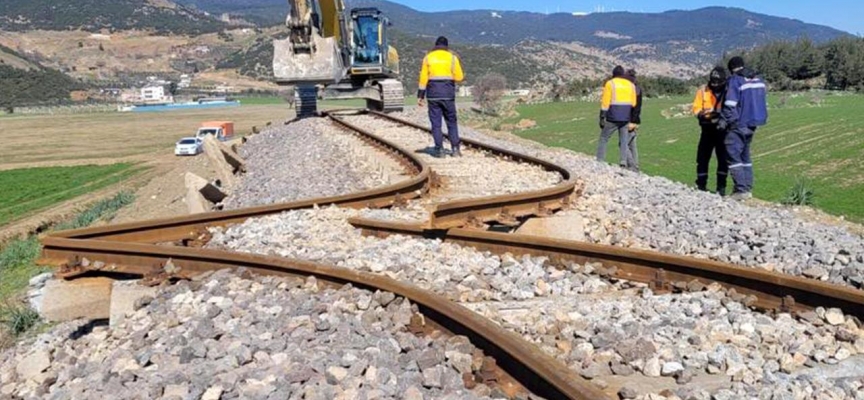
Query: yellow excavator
x,y
344,55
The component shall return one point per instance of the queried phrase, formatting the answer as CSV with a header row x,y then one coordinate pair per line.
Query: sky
x,y
847,15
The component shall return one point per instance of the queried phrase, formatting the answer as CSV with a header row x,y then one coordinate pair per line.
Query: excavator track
x,y
392,97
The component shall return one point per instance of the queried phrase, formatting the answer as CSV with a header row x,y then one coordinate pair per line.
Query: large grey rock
x,y
33,365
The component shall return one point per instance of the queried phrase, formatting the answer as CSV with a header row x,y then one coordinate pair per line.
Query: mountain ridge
x,y
160,16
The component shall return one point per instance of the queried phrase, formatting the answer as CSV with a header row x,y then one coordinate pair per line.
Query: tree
x,y
488,92
844,64
101,47
172,88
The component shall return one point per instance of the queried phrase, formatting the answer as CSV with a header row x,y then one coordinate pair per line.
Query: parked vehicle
x,y
190,146
221,130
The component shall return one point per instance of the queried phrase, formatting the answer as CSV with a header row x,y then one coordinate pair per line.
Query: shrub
x,y
489,91
102,209
18,319
799,195
19,253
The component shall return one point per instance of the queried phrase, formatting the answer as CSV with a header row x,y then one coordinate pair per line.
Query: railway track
x,y
133,249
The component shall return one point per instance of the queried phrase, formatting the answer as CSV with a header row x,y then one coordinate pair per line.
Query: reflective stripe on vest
x,y
450,77
615,101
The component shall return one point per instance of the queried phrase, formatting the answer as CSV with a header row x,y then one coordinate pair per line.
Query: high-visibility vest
x,y
439,74
619,98
705,101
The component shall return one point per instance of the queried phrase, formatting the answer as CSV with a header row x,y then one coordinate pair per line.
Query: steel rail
x,y
191,227
504,208
530,366
772,290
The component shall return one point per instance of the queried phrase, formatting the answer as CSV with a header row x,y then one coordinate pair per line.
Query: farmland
x,y
814,137
32,189
107,138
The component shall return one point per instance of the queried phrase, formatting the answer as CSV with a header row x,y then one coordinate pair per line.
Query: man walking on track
x,y
616,107
440,73
744,110
706,108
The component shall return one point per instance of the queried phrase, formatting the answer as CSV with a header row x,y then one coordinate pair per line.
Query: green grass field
x,y
26,191
823,144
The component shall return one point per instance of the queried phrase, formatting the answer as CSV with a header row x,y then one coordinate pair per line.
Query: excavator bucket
x,y
320,65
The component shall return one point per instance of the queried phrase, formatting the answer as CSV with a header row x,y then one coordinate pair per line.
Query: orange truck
x,y
222,130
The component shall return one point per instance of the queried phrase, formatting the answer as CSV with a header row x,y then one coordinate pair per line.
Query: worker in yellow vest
x,y
616,107
439,74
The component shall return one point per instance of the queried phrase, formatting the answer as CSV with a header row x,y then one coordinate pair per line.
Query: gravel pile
x,y
601,329
634,210
308,159
225,337
459,273
693,338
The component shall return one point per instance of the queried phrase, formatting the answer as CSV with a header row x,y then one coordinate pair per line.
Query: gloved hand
x,y
722,125
633,128
421,103
602,120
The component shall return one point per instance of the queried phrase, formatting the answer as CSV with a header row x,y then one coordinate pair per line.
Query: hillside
x,y
261,12
161,16
11,58
712,29
673,43
24,82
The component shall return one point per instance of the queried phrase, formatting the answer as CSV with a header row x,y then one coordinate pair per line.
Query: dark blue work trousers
x,y
446,109
738,152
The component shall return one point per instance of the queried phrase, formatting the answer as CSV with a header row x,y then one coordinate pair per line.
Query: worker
x,y
745,109
616,108
440,73
706,108
635,122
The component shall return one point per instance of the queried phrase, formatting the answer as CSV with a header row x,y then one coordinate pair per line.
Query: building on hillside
x,y
519,92
224,89
465,91
155,94
185,81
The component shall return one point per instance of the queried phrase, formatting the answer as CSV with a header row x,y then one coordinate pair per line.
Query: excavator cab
x,y
371,54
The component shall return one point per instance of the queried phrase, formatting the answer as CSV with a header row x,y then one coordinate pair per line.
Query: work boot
x,y
437,152
721,191
457,152
741,196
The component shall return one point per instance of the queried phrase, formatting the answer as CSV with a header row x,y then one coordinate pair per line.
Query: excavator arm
x,y
312,52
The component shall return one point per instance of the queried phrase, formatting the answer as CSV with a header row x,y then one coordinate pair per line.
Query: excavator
x,y
344,54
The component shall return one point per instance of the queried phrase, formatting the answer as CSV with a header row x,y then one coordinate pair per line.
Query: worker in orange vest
x,y
706,108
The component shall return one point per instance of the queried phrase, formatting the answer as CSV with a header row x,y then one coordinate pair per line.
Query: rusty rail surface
x,y
130,249
504,209
192,227
530,366
772,290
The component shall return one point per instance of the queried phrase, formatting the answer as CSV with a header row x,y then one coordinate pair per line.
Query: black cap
x,y
717,76
736,63
618,71
442,42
